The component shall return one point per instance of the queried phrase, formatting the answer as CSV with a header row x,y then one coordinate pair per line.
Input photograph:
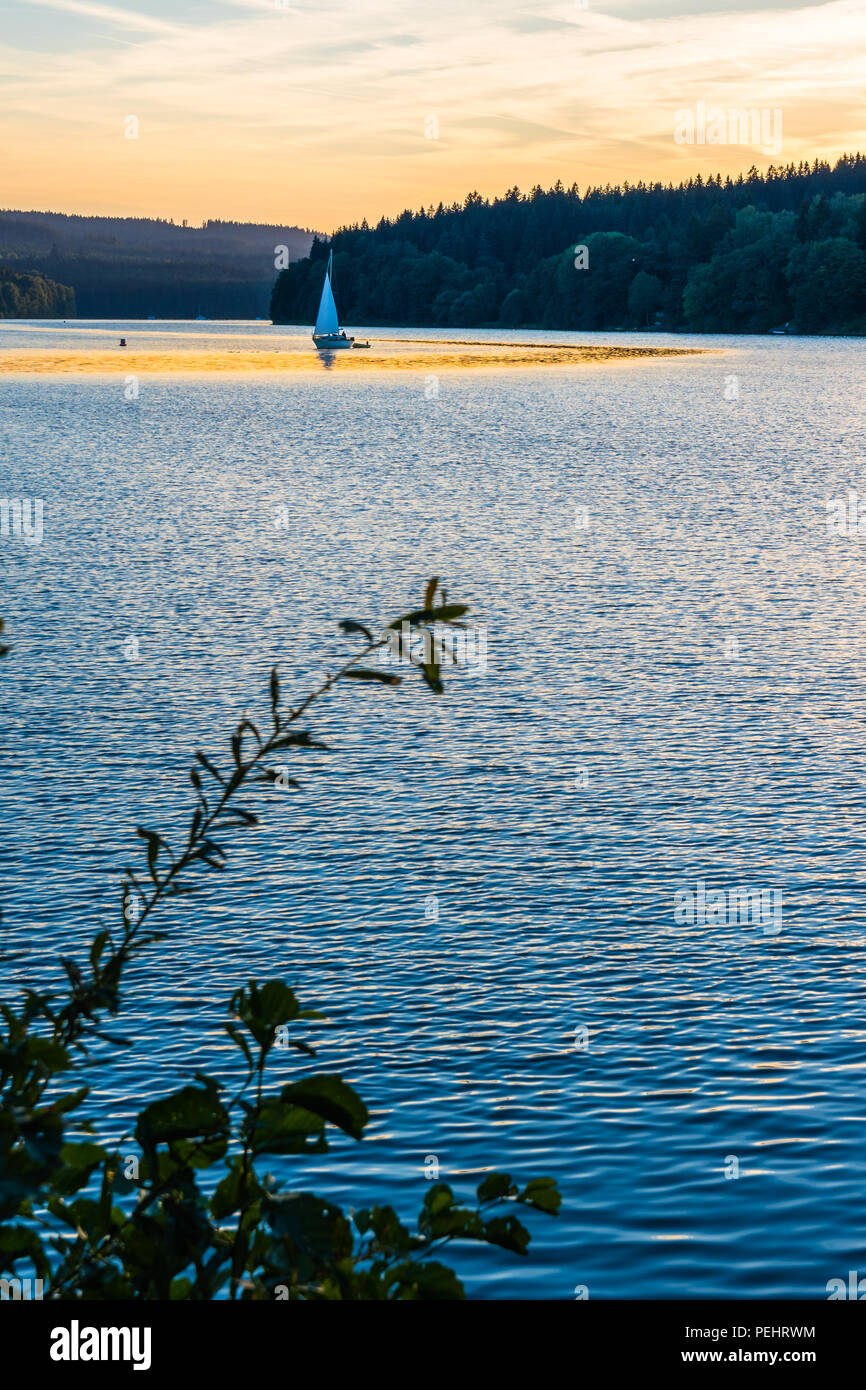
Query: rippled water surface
x,y
693,654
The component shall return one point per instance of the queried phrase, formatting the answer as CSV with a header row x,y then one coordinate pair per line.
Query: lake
x,y
488,892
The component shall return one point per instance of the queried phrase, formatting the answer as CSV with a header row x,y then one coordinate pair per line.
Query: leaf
x,y
275,698
97,946
78,1162
206,763
507,1232
448,613
281,1128
19,1243
430,592
71,1101
302,739
264,1008
248,724
438,1198
278,774
313,1226
228,1195
329,1097
543,1194
247,817
155,843
440,1217
495,1187
425,1282
189,1113
239,1040
360,673
349,625
430,672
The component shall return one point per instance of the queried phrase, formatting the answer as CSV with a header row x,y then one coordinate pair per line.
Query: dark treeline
x,y
127,267
711,255
24,296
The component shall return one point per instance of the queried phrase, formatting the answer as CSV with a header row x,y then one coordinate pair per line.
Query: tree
x,y
644,296
827,282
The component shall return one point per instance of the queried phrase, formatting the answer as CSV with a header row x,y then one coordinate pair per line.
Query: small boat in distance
x,y
327,334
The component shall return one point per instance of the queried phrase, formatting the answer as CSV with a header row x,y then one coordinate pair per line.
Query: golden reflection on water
x,y
390,357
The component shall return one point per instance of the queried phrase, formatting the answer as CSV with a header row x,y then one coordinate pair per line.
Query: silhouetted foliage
x,y
72,1210
712,255
32,296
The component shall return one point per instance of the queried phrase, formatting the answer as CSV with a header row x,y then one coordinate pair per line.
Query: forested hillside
x,y
25,296
715,255
124,267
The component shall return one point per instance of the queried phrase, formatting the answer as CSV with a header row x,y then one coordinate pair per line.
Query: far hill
x,y
126,267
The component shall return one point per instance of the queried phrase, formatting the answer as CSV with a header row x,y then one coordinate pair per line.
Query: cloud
x,y
318,113
127,19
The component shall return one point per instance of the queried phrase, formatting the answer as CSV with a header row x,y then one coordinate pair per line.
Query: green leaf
x,y
281,1128
264,1008
78,1162
507,1232
389,1230
227,1197
329,1097
438,1198
543,1194
48,1054
495,1187
20,1243
311,1225
425,1282
189,1113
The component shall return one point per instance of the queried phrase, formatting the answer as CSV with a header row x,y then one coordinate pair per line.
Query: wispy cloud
x,y
321,112
109,14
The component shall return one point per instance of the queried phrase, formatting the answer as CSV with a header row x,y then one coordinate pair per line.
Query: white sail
x,y
326,319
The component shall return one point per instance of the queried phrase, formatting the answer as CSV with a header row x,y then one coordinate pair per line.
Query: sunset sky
x,y
320,114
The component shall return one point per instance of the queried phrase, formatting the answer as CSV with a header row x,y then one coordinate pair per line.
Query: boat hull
x,y
329,342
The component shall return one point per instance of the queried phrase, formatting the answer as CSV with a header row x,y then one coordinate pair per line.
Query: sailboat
x,y
327,333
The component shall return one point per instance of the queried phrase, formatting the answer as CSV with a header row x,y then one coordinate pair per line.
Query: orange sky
x,y
319,114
